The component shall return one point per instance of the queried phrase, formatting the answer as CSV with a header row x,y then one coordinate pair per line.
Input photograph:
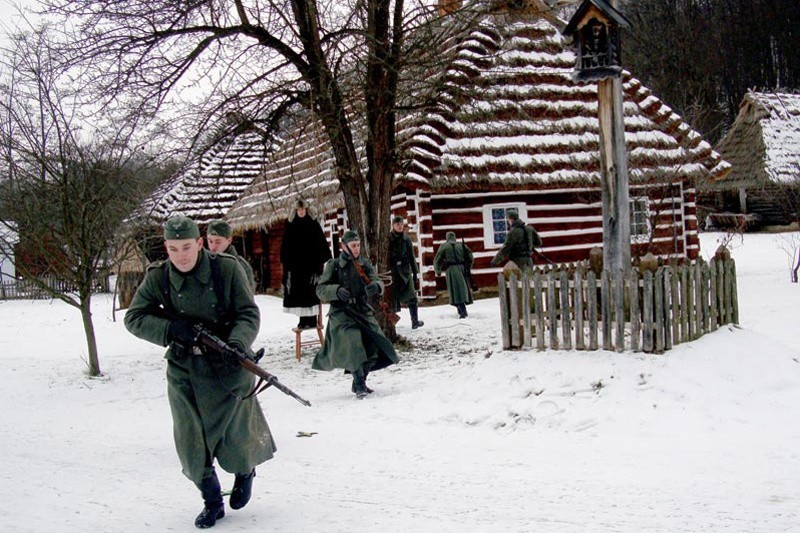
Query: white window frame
x,y
488,227
646,229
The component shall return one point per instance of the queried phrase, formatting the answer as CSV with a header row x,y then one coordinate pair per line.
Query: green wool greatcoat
x,y
209,422
353,336
404,269
454,258
248,270
517,247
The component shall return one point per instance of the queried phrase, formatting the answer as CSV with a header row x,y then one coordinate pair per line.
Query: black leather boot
x,y
359,384
462,310
242,490
214,508
415,321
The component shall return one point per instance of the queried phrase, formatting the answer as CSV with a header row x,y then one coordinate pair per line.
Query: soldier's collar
x,y
202,271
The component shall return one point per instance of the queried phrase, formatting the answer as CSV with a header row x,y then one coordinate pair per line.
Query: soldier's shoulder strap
x,y
216,280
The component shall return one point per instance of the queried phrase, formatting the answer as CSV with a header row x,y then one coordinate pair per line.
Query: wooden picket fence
x,y
23,289
569,308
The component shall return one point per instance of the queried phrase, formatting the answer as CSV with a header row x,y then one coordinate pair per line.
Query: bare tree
x,y
66,188
344,60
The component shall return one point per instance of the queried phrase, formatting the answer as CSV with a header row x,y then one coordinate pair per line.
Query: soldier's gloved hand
x,y
372,289
180,331
230,358
343,294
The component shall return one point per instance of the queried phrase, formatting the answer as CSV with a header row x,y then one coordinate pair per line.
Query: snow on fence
x,y
567,307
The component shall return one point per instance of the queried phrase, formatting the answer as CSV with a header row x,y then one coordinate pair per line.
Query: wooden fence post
x,y
514,310
721,292
636,326
526,311
504,315
552,312
658,309
699,298
605,302
712,274
668,309
566,312
539,308
675,300
728,293
578,290
684,304
591,291
734,294
647,308
619,310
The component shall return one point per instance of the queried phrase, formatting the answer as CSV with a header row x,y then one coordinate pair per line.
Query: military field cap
x,y
396,219
512,214
219,228
450,235
181,227
350,236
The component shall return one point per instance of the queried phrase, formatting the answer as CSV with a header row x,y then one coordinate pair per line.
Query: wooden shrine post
x,y
595,28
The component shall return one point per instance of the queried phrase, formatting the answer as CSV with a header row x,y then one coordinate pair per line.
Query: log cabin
x,y
509,128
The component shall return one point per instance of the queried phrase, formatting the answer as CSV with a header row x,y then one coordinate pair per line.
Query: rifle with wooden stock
x,y
204,338
391,315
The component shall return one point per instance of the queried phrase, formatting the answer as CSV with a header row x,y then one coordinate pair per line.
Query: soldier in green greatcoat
x,y
455,260
404,270
219,237
212,419
354,340
520,242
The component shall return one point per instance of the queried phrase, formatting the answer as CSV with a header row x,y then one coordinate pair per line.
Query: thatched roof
x,y
508,112
763,144
207,187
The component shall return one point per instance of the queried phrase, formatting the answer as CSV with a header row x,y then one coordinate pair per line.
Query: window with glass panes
x,y
496,223
640,216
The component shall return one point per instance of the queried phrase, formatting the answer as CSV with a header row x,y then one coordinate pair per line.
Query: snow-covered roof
x,y
763,144
508,112
207,188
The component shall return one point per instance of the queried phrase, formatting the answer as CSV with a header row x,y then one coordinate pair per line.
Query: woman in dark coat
x,y
304,252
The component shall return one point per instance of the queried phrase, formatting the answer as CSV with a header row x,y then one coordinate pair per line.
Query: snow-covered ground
x,y
461,436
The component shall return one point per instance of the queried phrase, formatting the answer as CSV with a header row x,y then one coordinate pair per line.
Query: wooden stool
x,y
299,343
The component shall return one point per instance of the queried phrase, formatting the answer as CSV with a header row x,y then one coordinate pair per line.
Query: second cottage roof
x,y
207,188
763,144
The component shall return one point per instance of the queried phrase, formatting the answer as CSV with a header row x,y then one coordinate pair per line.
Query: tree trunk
x,y
91,340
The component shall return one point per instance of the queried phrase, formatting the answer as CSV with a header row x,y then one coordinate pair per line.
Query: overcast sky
x,y
11,19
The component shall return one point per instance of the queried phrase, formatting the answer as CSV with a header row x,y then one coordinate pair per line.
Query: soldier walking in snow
x,y
521,239
455,260
219,237
213,419
404,271
354,340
